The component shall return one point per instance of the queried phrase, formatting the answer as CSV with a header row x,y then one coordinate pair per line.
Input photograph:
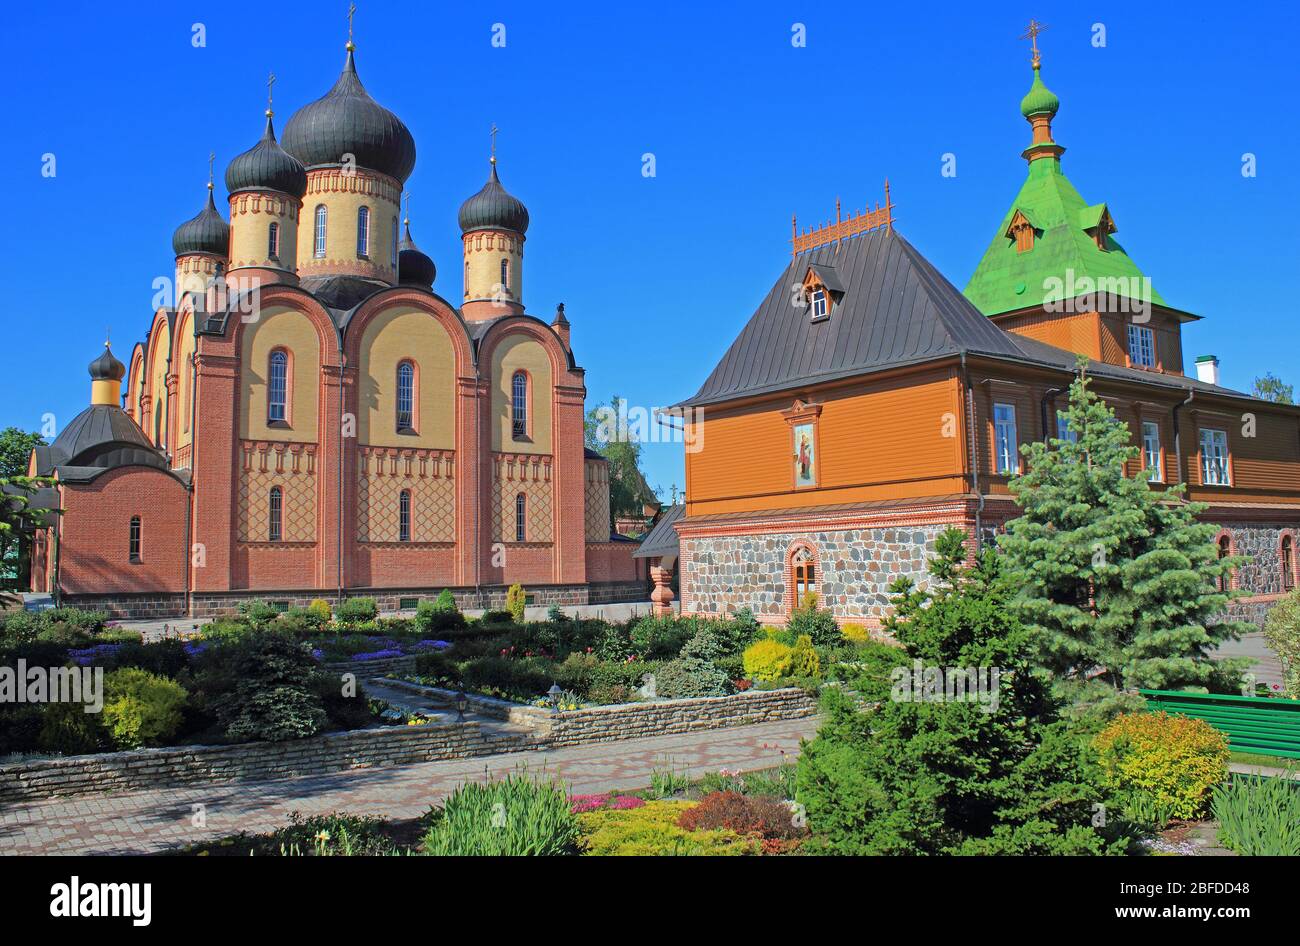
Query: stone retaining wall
x,y
396,745
381,667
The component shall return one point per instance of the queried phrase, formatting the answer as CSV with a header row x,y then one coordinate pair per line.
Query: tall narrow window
x,y
1288,562
1063,429
277,387
273,241
1214,458
322,217
1152,457
521,518
363,231
1142,346
1004,438
404,516
805,575
519,405
405,396
392,249
505,273
133,550
276,514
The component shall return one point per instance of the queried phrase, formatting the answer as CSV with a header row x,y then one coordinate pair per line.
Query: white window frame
x,y
817,299
273,241
1141,346
1006,455
322,224
521,518
1215,467
1152,456
363,232
404,516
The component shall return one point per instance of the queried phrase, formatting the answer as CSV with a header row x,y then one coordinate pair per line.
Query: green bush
x,y
767,659
438,666
356,610
1282,631
432,618
804,661
815,622
67,729
652,830
519,678
321,608
513,817
67,626
690,677
258,613
141,708
263,687
497,617
1259,815
1172,760
516,602
342,711
446,601
659,638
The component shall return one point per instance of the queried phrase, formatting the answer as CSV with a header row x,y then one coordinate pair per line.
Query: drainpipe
x,y
339,535
1047,396
194,465
478,480
1178,437
973,445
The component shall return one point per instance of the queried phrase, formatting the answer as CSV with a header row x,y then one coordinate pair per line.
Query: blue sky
x,y
658,274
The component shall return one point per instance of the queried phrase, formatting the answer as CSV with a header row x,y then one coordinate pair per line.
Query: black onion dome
x,y
493,208
267,166
106,367
414,267
206,233
348,121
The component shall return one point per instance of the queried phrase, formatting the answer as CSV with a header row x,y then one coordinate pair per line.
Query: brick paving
x,y
155,821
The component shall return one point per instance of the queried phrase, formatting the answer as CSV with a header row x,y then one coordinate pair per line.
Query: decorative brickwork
x,y
530,475
384,473
597,501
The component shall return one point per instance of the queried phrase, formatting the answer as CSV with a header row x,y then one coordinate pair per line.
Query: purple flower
x,y
85,656
378,654
430,645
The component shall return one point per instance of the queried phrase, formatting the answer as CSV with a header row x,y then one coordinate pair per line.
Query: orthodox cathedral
x,y
311,419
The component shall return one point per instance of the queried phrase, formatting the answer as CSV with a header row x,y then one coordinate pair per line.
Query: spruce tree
x,y
1119,581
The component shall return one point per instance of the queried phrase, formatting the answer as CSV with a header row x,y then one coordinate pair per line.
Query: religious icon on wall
x,y
805,455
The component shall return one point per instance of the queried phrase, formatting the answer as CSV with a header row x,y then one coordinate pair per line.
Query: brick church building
x,y
311,419
869,404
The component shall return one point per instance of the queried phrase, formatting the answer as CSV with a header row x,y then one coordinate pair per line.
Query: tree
x,y
609,434
889,773
1271,388
1119,582
16,450
16,516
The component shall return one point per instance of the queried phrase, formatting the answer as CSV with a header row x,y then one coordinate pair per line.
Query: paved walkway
x,y
149,822
1266,667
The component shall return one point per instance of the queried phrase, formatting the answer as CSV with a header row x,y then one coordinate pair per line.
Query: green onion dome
x,y
1039,100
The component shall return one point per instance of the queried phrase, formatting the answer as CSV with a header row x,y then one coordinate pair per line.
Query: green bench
x,y
1251,723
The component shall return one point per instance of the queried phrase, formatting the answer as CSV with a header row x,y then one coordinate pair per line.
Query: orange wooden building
x,y
868,405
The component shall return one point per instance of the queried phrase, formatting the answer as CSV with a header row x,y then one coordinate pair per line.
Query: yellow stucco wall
x,y
343,195
511,354
279,327
159,349
251,215
184,382
484,250
391,337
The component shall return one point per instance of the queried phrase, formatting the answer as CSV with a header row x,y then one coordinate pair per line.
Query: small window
x,y
1288,563
1214,458
277,388
276,515
273,241
521,518
519,405
1063,429
505,274
805,575
322,217
405,397
133,550
1142,346
1152,456
363,232
817,299
404,516
407,604
1004,438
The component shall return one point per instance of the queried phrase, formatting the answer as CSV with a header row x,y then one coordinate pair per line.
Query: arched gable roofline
x,y
562,362
153,343
295,299
405,296
135,378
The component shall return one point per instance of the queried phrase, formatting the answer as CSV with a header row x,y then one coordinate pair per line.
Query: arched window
x,y
521,518
404,516
363,232
322,217
505,273
519,405
804,568
276,514
405,396
1225,550
1288,562
277,387
159,426
273,241
133,549
392,249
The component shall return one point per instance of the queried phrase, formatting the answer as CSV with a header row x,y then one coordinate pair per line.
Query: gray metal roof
x,y
101,437
662,539
493,208
896,309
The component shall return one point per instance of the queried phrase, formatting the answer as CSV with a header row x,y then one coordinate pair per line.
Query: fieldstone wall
x,y
857,566
1262,575
535,729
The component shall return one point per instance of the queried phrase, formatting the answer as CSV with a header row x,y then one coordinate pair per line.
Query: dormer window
x,y
820,309
821,289
1022,231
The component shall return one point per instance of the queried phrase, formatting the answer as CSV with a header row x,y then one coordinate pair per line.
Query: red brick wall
x,y
613,561
402,566
95,533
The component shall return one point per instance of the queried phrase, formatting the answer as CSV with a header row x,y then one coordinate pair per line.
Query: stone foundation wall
x,y
536,729
856,567
1262,575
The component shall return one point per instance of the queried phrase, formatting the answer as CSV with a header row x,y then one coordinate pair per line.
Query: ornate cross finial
x,y
1031,34
212,156
270,88
406,199
352,9
494,131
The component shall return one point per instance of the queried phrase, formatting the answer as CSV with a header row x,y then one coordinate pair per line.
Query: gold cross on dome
x,y
1031,34
212,156
493,133
406,199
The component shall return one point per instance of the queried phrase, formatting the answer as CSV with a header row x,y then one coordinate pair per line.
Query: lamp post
x,y
462,701
553,694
